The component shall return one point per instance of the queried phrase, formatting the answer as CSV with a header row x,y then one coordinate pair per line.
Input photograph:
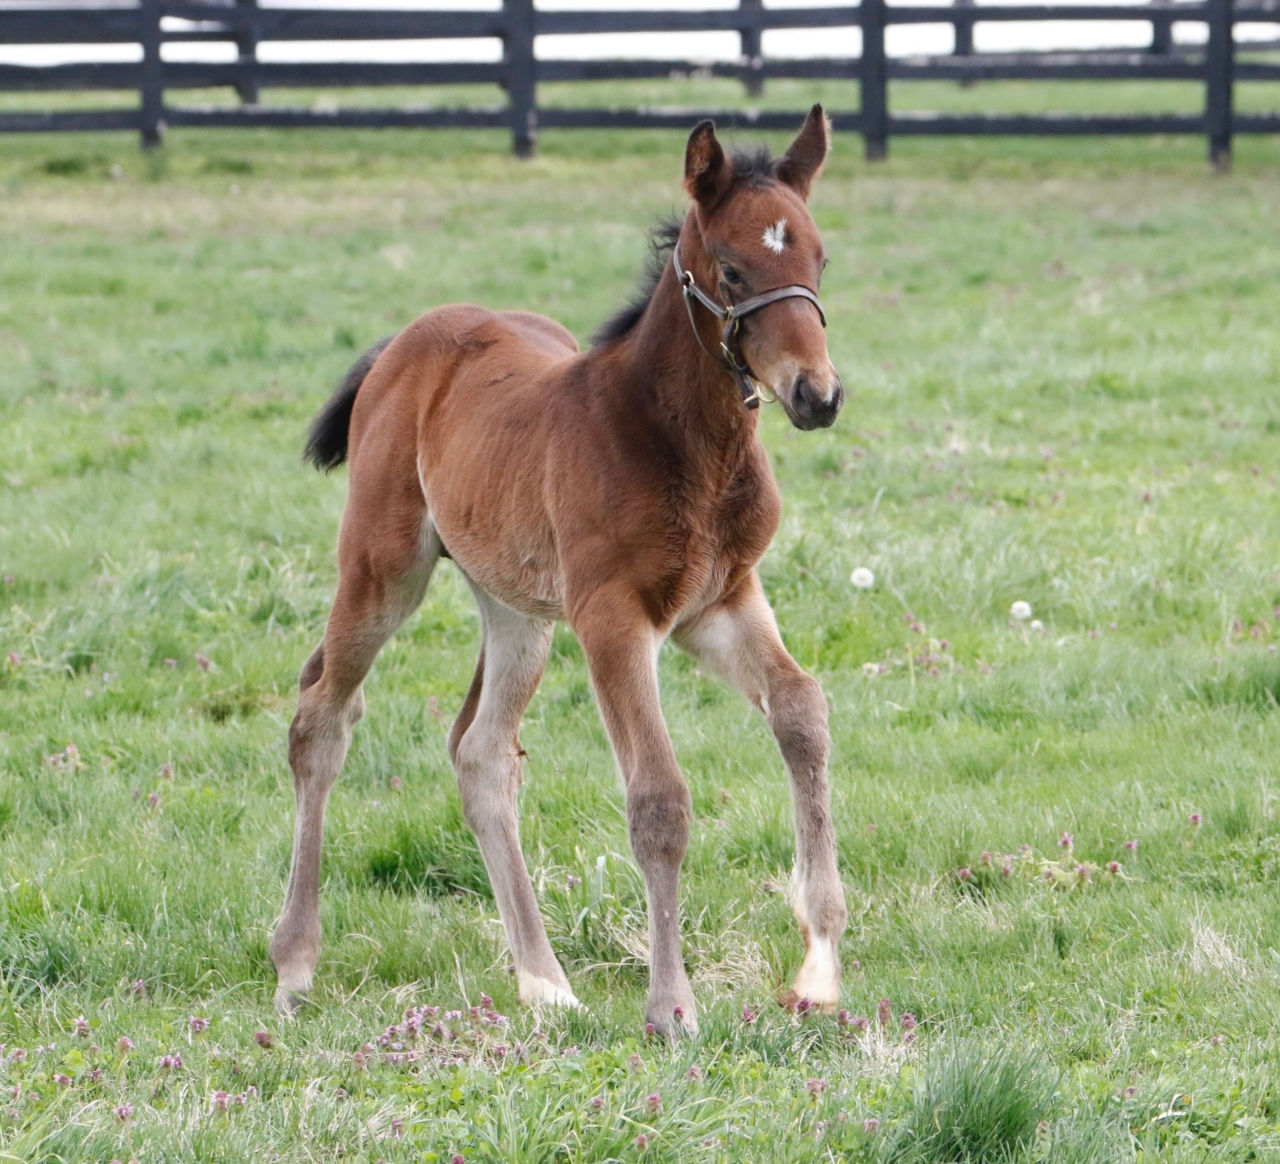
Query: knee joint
x,y
799,720
658,818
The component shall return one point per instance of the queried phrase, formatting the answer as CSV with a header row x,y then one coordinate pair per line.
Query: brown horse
x,y
623,490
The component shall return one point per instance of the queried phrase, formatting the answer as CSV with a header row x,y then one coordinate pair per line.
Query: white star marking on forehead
x,y
775,236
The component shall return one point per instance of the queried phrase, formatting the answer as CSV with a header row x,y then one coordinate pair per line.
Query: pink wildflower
x,y
641,1142
123,1112
124,1044
653,1104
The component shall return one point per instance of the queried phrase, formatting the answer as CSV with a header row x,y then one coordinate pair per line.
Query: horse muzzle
x,y
810,405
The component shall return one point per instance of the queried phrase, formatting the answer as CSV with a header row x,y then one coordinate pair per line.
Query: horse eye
x,y
731,276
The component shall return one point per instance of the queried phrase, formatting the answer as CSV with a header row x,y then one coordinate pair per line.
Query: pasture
x,y
1059,836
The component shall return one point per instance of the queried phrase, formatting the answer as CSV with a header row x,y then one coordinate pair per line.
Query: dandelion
x,y
1020,611
123,1112
862,578
1036,625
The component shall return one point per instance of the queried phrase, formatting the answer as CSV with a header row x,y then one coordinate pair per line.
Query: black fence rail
x,y
152,24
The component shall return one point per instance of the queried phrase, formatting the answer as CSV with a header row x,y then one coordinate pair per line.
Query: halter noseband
x,y
730,351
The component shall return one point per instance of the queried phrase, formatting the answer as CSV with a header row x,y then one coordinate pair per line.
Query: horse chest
x,y
730,536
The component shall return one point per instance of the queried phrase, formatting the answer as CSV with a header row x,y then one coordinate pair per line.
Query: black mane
x,y
662,241
752,167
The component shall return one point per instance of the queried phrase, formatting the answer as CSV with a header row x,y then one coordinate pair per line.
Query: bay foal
x,y
623,490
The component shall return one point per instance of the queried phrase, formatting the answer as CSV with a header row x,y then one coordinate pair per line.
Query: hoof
x,y
791,1000
672,1022
289,1002
535,990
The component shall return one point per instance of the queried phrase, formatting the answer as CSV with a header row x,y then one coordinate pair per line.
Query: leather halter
x,y
730,350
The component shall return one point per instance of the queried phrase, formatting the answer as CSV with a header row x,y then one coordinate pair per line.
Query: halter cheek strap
x,y
730,354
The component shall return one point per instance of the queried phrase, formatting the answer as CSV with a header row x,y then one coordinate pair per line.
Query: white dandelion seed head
x,y
1036,625
862,578
1020,610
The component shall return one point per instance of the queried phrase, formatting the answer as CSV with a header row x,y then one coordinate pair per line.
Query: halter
x,y
730,351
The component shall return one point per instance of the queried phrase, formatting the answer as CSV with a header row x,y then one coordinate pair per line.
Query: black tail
x,y
327,442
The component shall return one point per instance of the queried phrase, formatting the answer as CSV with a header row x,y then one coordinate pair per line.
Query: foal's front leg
x,y
738,639
621,646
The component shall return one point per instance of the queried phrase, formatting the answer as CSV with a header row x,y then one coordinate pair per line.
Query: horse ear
x,y
800,165
707,172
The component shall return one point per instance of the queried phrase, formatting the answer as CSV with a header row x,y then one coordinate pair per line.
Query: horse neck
x,y
690,393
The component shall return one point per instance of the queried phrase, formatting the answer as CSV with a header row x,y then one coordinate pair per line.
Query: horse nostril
x,y
803,396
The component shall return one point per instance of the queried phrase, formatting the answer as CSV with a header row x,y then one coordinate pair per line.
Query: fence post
x,y
963,31
151,83
1219,63
247,54
753,78
521,73
1161,35
875,82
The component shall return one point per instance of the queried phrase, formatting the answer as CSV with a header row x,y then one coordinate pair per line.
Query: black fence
x,y
151,24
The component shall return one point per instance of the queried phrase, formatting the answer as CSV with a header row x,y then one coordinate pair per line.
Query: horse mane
x,y
755,167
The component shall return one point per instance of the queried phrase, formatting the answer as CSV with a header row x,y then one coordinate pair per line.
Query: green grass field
x,y
1063,360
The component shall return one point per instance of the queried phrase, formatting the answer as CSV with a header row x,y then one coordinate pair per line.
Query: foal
x,y
623,490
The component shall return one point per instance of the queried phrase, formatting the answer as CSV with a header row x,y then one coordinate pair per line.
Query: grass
x,y
1063,359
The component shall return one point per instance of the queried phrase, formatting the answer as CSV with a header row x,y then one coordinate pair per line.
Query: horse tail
x,y
327,441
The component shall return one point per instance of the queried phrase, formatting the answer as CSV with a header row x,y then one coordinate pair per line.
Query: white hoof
x,y
538,991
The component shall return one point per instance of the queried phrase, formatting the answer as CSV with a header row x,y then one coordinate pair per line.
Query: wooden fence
x,y
151,24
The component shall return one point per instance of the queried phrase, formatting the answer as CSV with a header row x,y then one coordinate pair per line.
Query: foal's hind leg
x,y
738,639
384,573
486,755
